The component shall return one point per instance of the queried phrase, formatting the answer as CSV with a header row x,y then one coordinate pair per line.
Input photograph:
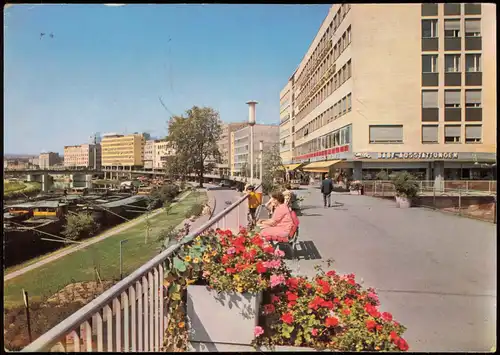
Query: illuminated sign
x,y
417,155
362,156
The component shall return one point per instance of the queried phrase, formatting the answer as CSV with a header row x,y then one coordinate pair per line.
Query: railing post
x,y
434,196
382,188
460,200
238,212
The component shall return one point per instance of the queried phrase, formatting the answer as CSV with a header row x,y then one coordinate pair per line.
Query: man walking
x,y
326,189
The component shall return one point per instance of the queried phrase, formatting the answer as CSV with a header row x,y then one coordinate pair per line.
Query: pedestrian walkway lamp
x,y
121,257
251,122
261,149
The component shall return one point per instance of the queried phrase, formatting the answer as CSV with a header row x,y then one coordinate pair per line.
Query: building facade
x,y
398,87
122,151
162,150
149,154
286,134
83,155
240,147
224,144
48,160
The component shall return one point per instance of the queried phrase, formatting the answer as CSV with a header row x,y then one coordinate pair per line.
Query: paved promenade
x,y
435,272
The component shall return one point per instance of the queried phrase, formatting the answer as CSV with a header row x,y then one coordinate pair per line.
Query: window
x,y
472,28
349,102
452,98
452,28
348,69
430,134
335,79
473,134
452,134
472,63
430,63
429,29
349,34
472,98
348,135
386,134
344,106
452,63
430,99
344,40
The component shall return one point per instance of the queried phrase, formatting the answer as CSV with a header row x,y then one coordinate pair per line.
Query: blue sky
x,y
106,66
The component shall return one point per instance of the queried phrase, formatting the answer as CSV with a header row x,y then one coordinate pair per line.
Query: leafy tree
x,y
272,166
80,225
194,138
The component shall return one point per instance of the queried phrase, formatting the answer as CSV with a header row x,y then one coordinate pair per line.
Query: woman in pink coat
x,y
281,222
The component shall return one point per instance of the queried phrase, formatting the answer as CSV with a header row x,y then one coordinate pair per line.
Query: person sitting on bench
x,y
281,223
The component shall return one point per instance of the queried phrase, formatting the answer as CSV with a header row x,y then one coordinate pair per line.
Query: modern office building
x,y
83,155
397,87
286,134
240,147
122,151
48,160
162,150
225,144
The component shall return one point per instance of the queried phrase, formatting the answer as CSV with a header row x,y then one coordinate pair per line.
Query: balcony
x,y
430,79
430,44
473,43
473,114
453,79
452,114
473,79
452,43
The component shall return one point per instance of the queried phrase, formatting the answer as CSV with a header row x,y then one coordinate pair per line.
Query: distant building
x,y
224,143
83,155
162,150
34,162
15,164
149,154
48,160
119,151
240,146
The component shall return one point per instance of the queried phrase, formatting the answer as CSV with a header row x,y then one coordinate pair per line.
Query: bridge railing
x,y
130,316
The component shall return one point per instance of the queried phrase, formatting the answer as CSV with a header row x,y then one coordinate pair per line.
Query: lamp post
x,y
121,258
261,149
251,122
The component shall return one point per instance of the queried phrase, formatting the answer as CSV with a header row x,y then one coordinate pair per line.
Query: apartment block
x,y
48,160
286,131
225,144
162,150
397,87
83,155
240,146
122,151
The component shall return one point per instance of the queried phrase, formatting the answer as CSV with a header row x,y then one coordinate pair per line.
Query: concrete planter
x,y
221,317
355,192
403,202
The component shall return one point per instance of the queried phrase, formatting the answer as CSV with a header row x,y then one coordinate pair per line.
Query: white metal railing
x,y
130,316
466,186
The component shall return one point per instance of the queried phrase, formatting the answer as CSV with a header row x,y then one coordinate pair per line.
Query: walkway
x,y
436,273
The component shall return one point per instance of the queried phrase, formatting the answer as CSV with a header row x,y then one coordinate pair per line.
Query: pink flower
x,y
258,331
373,296
279,253
314,332
231,250
273,264
277,280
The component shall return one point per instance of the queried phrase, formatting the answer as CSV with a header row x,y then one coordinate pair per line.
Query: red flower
x,y
314,332
260,267
325,286
346,311
331,273
394,336
348,302
291,304
402,344
327,304
331,321
387,316
351,282
316,302
379,327
336,300
308,285
287,318
257,240
269,250
370,324
269,308
372,310
225,259
291,296
230,270
292,283
274,299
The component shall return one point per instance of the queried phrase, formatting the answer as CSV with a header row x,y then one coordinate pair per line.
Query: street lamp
x,y
251,122
121,258
261,149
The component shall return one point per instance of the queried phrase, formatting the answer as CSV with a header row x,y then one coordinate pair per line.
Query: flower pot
x,y
226,317
403,202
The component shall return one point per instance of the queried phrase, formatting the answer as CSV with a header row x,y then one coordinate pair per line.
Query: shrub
x,y
80,225
405,184
355,185
195,210
382,175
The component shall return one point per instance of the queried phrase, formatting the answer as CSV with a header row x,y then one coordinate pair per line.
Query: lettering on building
x,y
362,156
418,155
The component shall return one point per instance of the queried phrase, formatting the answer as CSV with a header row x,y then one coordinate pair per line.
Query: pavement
x,y
436,273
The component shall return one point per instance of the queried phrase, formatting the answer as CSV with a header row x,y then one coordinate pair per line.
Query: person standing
x,y
326,190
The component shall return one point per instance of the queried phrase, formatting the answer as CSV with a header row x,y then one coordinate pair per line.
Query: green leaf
x,y
176,296
173,288
179,264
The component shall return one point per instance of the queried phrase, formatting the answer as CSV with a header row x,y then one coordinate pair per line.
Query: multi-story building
x,y
398,87
34,162
224,144
83,155
162,150
286,134
149,154
240,146
120,151
48,160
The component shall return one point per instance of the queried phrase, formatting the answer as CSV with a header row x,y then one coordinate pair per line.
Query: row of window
x,y
451,9
331,85
326,65
452,28
335,111
452,63
333,139
452,134
452,98
330,31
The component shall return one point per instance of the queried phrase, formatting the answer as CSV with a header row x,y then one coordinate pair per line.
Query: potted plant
x,y
236,270
406,189
355,187
328,312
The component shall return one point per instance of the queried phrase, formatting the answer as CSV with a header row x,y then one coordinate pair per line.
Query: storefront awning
x,y
292,167
320,166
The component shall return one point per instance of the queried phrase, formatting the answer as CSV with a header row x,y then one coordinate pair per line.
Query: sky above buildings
x,y
102,69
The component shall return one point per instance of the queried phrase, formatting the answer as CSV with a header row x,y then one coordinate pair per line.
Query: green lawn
x,y
15,188
79,266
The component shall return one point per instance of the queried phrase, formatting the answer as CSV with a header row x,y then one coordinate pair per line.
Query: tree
x,y
79,225
272,167
194,138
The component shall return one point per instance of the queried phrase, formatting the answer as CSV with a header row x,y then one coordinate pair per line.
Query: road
x,y
436,273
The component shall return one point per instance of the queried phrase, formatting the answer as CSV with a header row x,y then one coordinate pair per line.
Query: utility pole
x,y
26,304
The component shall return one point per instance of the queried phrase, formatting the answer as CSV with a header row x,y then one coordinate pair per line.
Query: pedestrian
x,y
253,202
326,190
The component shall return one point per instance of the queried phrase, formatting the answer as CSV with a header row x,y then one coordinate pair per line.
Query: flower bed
x,y
330,311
